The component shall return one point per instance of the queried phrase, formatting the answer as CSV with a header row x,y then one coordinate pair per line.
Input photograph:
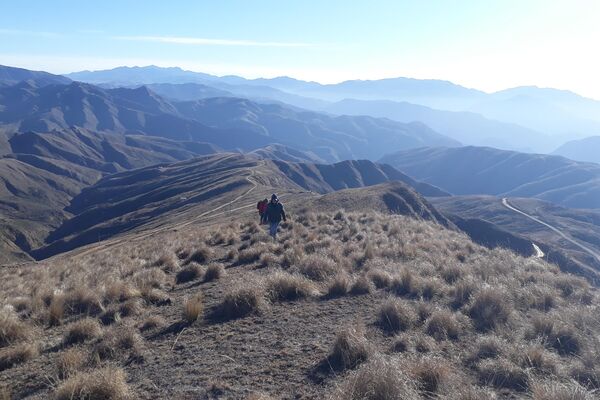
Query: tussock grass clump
x,y
537,358
213,272
12,330
443,325
503,374
452,273
560,391
241,301
82,331
488,347
152,322
17,354
405,285
119,292
490,308
107,383
318,267
557,335
431,374
269,260
339,285
393,316
200,255
71,361
461,293
378,379
362,285
193,308
283,286
167,262
118,342
190,273
156,297
381,279
349,349
250,255
82,300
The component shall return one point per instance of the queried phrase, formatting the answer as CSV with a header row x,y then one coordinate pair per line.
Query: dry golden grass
x,y
283,286
71,361
339,285
12,330
120,341
81,331
245,299
193,309
350,348
152,322
394,316
104,383
190,273
17,354
213,272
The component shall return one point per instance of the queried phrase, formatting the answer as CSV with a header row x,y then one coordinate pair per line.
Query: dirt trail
x,y
556,230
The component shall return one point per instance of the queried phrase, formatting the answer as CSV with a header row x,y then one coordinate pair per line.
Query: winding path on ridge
x,y
506,204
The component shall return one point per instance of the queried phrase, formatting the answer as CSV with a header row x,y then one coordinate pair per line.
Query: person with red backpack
x,y
262,209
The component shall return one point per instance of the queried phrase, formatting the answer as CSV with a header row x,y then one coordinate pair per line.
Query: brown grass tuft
x,y
502,374
349,349
362,285
190,273
152,322
81,331
393,316
213,272
381,279
283,286
490,309
193,308
339,285
71,361
12,330
443,325
560,391
201,255
104,383
17,354
317,267
118,342
245,299
250,255
431,374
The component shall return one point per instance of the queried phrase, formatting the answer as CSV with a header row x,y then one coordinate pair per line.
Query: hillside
x,y
342,303
466,127
12,75
581,225
167,194
586,149
484,170
228,123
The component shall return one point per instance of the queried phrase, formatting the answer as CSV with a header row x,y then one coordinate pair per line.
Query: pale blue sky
x,y
486,44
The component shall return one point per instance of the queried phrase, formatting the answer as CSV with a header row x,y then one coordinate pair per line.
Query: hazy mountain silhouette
x,y
587,149
485,170
12,75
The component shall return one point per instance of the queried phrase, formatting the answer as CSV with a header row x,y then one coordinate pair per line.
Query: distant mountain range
x,y
12,75
538,112
587,149
485,170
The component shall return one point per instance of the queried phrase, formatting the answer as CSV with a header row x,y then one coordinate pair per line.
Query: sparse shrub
x,y
502,374
490,308
443,325
378,379
152,322
193,308
338,286
349,349
201,255
71,361
283,286
81,331
362,285
213,272
241,301
317,267
104,383
190,273
17,354
393,316
12,330
381,279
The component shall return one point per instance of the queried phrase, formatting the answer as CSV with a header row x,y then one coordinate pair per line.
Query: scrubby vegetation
x,y
341,306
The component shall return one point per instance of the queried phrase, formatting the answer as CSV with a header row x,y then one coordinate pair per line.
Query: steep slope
x,y
581,225
284,153
466,127
325,178
587,149
484,170
12,75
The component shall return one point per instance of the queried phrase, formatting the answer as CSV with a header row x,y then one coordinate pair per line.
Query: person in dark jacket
x,y
274,214
262,209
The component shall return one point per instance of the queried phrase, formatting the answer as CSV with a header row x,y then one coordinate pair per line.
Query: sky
x,y
484,44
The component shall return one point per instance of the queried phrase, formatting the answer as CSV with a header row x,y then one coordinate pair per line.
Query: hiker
x,y
274,214
262,208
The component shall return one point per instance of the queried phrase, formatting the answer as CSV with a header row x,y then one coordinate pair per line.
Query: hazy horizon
x,y
489,47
